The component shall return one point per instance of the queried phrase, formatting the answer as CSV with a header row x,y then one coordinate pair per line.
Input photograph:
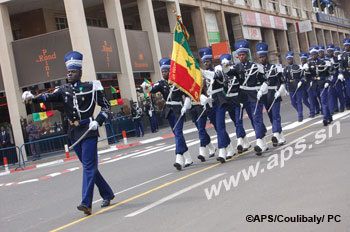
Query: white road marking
x,y
171,196
55,174
49,163
28,181
295,140
73,169
146,182
152,152
296,124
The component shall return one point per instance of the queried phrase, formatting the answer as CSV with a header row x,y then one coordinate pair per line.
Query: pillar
x,y
281,37
8,69
115,21
220,18
200,28
304,41
335,37
312,37
320,37
81,42
269,38
148,23
170,7
293,40
80,37
237,27
328,37
341,38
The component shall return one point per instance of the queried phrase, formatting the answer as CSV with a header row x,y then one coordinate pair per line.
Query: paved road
x,y
309,176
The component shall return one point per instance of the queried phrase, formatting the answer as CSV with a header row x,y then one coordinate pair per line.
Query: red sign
x,y
219,49
44,58
107,49
265,20
278,23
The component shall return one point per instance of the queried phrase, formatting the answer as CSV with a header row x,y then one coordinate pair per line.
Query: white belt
x,y
272,87
173,103
215,91
232,95
249,88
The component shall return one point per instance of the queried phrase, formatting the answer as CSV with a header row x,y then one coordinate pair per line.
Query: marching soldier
x,y
80,99
136,113
174,110
253,85
344,69
149,109
293,74
335,90
235,102
276,88
321,54
303,60
318,73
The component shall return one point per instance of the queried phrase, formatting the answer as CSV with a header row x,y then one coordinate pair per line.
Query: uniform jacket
x,y
318,73
293,74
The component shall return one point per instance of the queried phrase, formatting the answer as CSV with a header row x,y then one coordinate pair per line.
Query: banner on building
x,y
104,50
251,33
212,27
140,51
304,26
250,18
325,18
219,49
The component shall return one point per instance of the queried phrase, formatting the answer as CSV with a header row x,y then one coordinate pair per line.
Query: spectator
x,y
149,109
137,119
33,134
5,142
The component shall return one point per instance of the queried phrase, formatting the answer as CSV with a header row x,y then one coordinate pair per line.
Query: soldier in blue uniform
x,y
226,149
303,60
136,113
149,109
174,110
321,54
79,100
318,74
294,74
344,69
335,91
253,85
276,88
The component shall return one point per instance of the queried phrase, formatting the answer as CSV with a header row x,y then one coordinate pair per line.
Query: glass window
x,y
61,23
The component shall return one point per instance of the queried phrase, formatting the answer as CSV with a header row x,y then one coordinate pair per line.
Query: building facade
x,y
123,40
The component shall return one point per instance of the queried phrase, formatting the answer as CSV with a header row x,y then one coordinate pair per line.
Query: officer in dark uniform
x,y
344,69
303,60
149,109
276,88
136,113
235,101
318,74
321,54
174,110
80,99
216,78
253,85
335,90
294,75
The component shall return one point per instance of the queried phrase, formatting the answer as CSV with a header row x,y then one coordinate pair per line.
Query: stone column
x,y
148,23
80,37
200,28
335,37
220,18
283,45
170,7
328,37
116,22
341,38
269,38
81,42
320,37
304,41
312,37
237,27
8,69
293,40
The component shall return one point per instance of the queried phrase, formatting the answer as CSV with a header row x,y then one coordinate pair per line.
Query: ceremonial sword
x,y
81,138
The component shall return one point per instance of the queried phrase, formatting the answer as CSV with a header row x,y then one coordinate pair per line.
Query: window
x,y
96,22
61,23
17,34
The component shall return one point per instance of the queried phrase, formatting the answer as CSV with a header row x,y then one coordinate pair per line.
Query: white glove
x,y
328,63
341,77
264,88
310,83
282,90
305,67
218,68
225,65
205,100
208,74
93,125
226,69
299,84
183,110
259,95
27,96
326,85
146,87
187,103
277,94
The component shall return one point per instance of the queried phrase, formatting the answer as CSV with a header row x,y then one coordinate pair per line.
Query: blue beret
x,y
346,42
262,49
303,55
337,49
73,60
242,46
330,47
206,54
320,48
164,64
225,56
289,55
313,49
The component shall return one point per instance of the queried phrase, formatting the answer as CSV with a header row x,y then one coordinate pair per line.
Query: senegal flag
x,y
113,90
184,73
42,115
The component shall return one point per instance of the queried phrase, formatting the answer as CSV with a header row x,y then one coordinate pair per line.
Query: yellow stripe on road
x,y
164,185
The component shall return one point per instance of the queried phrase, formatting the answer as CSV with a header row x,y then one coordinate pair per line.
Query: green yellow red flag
x,y
184,73
113,90
42,115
